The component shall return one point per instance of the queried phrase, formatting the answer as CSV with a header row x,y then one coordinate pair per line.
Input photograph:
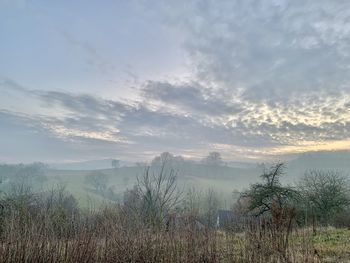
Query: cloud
x,y
283,64
172,115
269,77
133,127
83,103
191,97
268,50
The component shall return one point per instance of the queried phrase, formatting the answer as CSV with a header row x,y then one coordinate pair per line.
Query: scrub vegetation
x,y
159,220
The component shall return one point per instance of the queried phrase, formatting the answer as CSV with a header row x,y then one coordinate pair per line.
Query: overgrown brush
x,y
149,227
107,235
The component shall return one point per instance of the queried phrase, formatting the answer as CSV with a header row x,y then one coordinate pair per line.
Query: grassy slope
x,y
224,180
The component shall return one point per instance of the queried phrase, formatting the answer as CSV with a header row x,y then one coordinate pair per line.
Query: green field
x,y
333,245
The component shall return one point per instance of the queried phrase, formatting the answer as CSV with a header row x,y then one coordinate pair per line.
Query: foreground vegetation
x,y
107,235
156,222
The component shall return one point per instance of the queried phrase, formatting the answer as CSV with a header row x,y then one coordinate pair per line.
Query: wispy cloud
x,y
93,57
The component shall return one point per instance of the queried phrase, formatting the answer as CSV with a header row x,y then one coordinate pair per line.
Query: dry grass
x,y
333,245
51,229
107,236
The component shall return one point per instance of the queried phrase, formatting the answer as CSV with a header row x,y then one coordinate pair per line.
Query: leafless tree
x,y
115,163
211,205
213,159
326,193
270,193
98,180
192,202
158,193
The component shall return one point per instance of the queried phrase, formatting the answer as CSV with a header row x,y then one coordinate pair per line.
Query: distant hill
x,y
88,165
241,171
223,179
331,160
249,165
107,164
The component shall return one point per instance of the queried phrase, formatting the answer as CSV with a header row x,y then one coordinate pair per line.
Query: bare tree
x,y
263,196
159,194
164,157
31,174
170,159
115,163
277,206
98,180
213,159
326,194
211,206
192,202
132,203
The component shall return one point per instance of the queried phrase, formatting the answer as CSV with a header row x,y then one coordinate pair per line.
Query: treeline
x,y
321,197
23,174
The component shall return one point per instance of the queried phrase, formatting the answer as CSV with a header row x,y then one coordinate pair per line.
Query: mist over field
x,y
175,131
227,179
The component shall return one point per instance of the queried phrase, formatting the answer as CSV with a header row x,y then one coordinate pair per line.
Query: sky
x,y
254,80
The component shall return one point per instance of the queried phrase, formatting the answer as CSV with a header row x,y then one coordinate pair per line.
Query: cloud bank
x,y
267,79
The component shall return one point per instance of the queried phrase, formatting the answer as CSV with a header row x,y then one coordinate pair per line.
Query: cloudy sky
x,y
255,80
